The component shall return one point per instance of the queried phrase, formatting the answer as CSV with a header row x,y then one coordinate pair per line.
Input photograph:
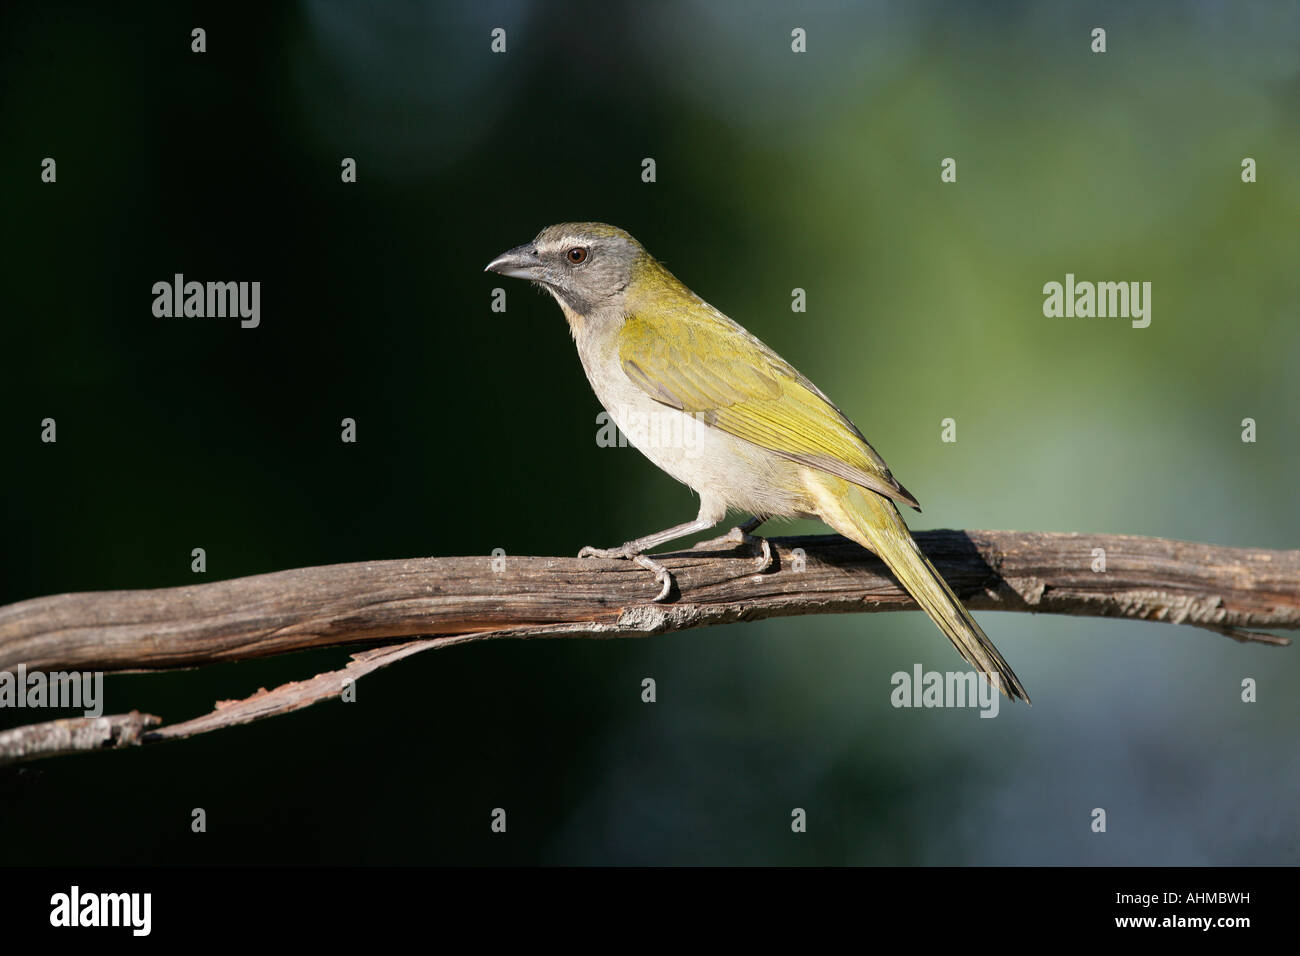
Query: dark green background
x,y
477,429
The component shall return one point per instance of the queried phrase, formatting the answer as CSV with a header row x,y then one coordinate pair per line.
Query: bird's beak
x,y
521,262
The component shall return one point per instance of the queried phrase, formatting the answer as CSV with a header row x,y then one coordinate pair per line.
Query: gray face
x,y
585,265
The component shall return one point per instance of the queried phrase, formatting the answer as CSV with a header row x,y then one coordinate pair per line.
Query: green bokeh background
x,y
477,429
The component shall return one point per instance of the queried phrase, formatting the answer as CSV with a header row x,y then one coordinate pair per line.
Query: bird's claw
x,y
590,552
738,537
662,574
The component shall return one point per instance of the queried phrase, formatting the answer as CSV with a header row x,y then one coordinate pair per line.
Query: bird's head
x,y
587,266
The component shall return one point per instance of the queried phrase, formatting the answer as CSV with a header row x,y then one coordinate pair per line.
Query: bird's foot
x,y
590,552
737,538
662,574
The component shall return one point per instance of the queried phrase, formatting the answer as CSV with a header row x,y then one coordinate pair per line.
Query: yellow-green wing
x,y
691,357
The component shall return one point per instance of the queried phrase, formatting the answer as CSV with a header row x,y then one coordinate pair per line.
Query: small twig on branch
x,y
452,600
292,696
74,735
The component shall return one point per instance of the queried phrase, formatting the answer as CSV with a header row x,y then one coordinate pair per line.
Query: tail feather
x,y
874,522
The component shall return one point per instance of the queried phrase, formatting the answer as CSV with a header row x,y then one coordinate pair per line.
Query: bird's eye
x,y
577,255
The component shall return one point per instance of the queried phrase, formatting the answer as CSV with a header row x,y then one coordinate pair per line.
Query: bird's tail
x,y
874,522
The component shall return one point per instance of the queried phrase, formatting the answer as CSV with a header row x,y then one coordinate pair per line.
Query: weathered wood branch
x,y
74,735
447,601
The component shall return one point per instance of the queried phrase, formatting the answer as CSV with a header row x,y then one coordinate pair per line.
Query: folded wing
x,y
708,365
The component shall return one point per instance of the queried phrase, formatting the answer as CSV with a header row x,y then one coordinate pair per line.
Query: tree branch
x,y
73,735
451,600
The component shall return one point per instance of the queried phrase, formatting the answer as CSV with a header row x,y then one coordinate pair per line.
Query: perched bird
x,y
718,410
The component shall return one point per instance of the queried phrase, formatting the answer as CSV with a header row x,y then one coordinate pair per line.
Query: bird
x,y
717,409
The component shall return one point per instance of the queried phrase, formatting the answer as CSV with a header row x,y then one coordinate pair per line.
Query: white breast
x,y
717,465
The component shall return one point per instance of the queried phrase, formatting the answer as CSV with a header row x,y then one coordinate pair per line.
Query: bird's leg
x,y
741,535
710,514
